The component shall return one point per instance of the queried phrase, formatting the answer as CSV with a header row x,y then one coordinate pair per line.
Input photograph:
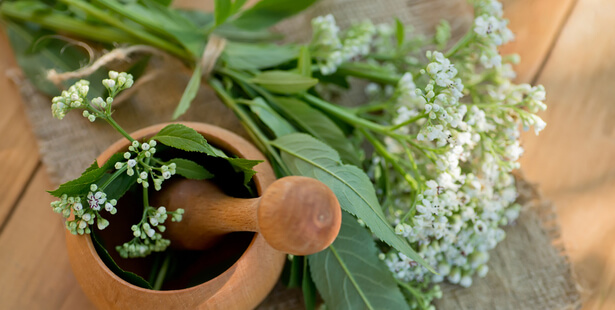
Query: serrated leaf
x,y
284,82
184,138
119,186
190,170
317,124
189,92
128,276
81,185
245,56
245,166
305,155
278,125
267,13
349,274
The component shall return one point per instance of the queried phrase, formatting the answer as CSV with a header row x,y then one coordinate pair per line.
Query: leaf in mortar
x,y
190,170
244,166
119,186
108,260
267,13
349,274
304,155
278,125
184,138
250,56
284,82
317,124
81,185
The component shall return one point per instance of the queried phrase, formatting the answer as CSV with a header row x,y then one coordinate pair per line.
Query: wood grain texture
x,y
35,269
573,159
18,151
535,24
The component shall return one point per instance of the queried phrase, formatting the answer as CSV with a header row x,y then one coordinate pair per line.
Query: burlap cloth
x,y
528,270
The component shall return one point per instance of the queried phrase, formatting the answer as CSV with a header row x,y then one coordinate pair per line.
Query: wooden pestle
x,y
295,215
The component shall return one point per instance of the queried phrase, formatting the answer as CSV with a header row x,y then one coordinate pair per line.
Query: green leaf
x,y
184,138
400,32
236,34
244,166
222,10
128,276
306,156
250,56
189,92
36,55
92,175
443,34
308,287
304,62
267,13
278,125
349,274
284,82
317,124
295,272
120,185
190,170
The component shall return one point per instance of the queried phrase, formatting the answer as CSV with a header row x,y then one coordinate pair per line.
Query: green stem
x,y
138,33
259,138
407,122
410,289
113,177
62,23
467,38
117,127
380,149
345,115
352,69
162,272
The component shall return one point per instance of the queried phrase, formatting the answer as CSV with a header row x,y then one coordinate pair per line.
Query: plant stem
x,y
344,115
259,138
162,272
138,33
113,177
64,23
351,69
463,42
117,127
410,121
380,149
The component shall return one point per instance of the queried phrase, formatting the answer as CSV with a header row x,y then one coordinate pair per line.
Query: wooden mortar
x,y
242,286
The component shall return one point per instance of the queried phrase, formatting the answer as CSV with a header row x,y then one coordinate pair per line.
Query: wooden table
x,y
566,45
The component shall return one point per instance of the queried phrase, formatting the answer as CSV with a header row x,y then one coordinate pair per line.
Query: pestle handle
x,y
296,215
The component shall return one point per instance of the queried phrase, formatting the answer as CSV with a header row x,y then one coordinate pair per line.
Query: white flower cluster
x,y
146,239
72,98
492,30
76,97
332,49
136,162
84,217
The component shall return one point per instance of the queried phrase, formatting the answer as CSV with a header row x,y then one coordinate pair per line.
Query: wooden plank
x,y
18,150
535,24
35,270
573,159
